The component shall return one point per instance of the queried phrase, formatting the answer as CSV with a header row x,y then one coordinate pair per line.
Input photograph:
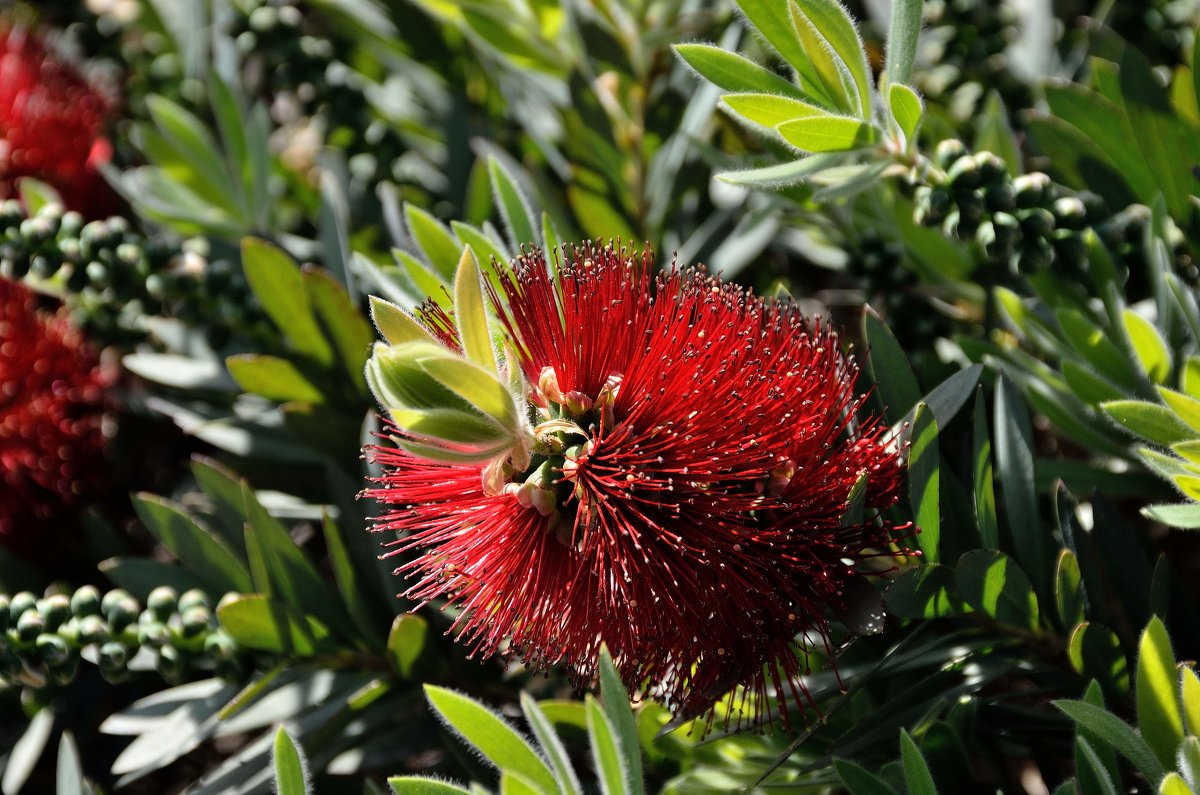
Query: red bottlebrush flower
x,y
51,403
693,454
51,125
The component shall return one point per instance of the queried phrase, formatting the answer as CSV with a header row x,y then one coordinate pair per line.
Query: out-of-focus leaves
x,y
888,366
995,585
279,287
406,641
259,623
1096,653
195,546
291,778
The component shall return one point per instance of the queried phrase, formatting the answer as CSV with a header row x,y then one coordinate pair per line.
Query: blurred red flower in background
x,y
694,454
51,405
52,122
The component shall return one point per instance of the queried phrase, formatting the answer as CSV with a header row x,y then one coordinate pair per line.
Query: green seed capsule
x,y
991,168
195,620
153,634
220,646
1000,197
964,175
948,151
65,672
1069,213
1032,190
193,598
20,603
1036,222
171,664
11,667
92,629
29,626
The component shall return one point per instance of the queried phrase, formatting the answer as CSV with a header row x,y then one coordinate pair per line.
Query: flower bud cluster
x,y
1024,223
115,277
878,264
42,641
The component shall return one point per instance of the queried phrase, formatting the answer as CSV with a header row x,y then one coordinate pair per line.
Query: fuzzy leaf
x,y
828,134
1117,734
605,752
471,315
995,585
732,72
1158,713
770,110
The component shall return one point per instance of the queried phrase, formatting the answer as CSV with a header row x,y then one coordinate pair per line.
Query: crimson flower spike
x,y
678,493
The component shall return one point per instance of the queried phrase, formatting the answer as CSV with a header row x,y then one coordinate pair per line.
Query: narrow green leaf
x,y
433,240
291,774
1185,407
860,781
924,592
828,134
773,21
994,584
349,584
69,771
605,752
396,325
279,287
1183,515
1173,784
781,175
1015,465
1093,777
888,366
994,133
916,772
25,753
193,545
1068,590
985,495
515,784
514,207
551,239
1189,698
259,623
470,314
732,72
924,478
1159,719
902,38
1189,761
272,378
1117,734
620,716
491,735
551,745
823,71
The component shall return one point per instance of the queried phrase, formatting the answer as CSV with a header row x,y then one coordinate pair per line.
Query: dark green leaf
x,y
859,781
995,585
259,623
196,547
1095,652
916,772
888,365
1015,465
277,283
985,496
1116,733
924,480
924,592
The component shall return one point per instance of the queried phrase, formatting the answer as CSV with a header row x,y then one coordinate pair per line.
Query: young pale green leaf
x,y
995,585
434,240
514,207
917,777
489,253
860,781
470,313
406,641
1185,407
731,72
1159,718
1068,590
515,784
418,785
770,110
823,67
279,287
1173,784
36,194
273,378
830,19
985,494
1149,345
907,109
491,735
888,366
1188,761
620,716
1118,734
924,479
828,134
902,39
606,753
552,746
1152,422
411,276
259,623
195,546
1189,698
773,21
396,325
291,773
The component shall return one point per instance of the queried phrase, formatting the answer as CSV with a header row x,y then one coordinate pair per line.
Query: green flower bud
x,y
193,598
220,646
1037,222
171,664
1000,197
30,625
120,609
970,206
162,602
65,672
112,657
948,151
11,667
85,601
20,604
153,633
1032,190
54,610
70,226
1035,255
991,168
1069,213
91,629
964,175
195,620
51,649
